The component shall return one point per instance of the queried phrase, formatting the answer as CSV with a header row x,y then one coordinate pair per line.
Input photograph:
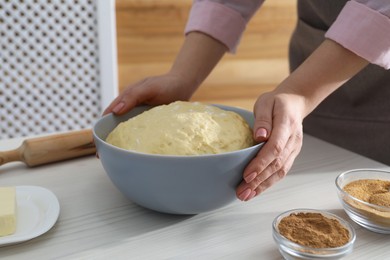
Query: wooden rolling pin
x,y
51,148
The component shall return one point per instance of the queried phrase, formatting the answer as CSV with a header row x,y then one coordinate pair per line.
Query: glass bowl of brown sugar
x,y
312,234
365,196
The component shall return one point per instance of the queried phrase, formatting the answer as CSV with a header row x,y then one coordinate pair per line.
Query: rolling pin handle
x,y
10,156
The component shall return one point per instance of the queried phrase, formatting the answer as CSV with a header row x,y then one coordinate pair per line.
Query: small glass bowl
x,y
292,250
370,216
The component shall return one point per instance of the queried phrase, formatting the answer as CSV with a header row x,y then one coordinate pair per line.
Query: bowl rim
x,y
346,194
328,251
95,135
257,145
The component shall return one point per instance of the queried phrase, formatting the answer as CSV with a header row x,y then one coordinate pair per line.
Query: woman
x,y
338,88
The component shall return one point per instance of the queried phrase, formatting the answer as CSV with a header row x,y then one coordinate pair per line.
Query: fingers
x,y
115,106
132,96
122,103
271,164
263,120
279,170
272,149
279,123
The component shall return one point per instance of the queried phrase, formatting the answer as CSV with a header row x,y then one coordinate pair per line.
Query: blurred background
x,y
150,32
50,58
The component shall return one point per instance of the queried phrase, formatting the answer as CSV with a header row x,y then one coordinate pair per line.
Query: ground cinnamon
x,y
313,230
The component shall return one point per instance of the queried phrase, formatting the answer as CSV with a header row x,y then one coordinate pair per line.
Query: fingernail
x,y
118,107
250,177
261,133
253,194
245,194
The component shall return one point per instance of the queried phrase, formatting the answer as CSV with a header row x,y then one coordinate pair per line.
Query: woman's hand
x,y
280,113
195,60
278,121
155,90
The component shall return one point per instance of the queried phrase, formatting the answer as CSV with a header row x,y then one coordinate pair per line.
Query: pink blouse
x,y
363,26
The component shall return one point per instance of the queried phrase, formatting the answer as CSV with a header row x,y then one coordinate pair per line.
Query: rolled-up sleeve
x,y
225,21
363,27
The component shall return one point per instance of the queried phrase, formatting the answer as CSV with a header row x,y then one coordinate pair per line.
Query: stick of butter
x,y
7,211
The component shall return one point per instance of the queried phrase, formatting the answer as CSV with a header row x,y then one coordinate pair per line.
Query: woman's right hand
x,y
197,57
156,90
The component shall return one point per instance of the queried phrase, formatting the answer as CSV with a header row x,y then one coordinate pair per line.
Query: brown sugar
x,y
375,192
381,199
371,191
313,230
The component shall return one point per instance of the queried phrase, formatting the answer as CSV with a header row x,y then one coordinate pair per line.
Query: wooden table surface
x,y
97,222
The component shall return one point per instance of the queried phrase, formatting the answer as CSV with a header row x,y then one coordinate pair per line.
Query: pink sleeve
x,y
224,20
363,26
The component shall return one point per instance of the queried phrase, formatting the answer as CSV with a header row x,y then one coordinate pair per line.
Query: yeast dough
x,y
183,128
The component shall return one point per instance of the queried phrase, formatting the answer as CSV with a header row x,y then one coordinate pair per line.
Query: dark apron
x,y
357,115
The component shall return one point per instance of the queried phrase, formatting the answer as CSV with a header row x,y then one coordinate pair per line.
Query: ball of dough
x,y
183,128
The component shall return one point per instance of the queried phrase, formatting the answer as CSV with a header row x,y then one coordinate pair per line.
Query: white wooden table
x,y
97,222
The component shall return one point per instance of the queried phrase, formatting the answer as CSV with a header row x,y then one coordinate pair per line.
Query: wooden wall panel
x,y
150,32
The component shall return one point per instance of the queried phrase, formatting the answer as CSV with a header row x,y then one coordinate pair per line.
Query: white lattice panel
x,y
49,66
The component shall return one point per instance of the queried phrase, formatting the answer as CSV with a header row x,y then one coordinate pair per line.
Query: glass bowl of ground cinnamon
x,y
365,196
312,234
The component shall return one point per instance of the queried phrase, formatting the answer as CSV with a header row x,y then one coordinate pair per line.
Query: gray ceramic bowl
x,y
172,184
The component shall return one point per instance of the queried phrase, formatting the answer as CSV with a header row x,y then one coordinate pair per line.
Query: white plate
x,y
37,211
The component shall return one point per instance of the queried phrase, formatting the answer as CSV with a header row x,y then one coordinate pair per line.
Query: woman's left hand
x,y
278,122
